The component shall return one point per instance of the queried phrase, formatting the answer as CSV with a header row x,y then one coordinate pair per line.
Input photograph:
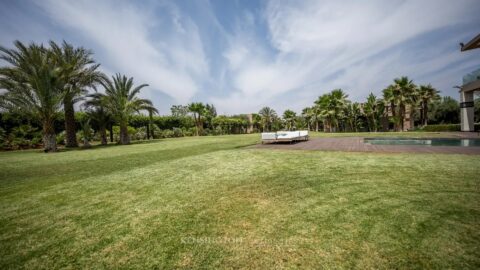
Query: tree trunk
x,y
70,130
124,138
111,133
394,116
148,131
152,131
196,124
402,117
103,135
49,137
425,116
86,143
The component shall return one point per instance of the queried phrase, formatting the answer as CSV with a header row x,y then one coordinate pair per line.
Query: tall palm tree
x,y
370,109
150,130
332,106
316,115
33,84
289,116
96,110
198,109
390,105
427,94
210,113
121,100
352,115
307,114
79,72
268,116
404,94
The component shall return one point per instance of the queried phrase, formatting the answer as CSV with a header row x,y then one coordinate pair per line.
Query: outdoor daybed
x,y
285,136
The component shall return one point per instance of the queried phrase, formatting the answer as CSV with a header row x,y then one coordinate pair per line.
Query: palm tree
x,y
427,94
86,131
352,115
150,131
268,116
210,113
307,114
33,84
390,105
332,106
289,116
198,109
79,72
370,109
98,113
121,101
404,94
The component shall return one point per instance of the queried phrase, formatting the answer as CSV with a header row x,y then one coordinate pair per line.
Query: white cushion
x,y
269,136
303,133
287,134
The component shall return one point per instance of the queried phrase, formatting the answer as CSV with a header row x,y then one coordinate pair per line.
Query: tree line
x,y
44,84
333,112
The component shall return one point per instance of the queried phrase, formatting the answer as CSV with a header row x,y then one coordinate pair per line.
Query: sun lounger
x,y
285,136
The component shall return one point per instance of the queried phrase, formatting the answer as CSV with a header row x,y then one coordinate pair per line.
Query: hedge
x,y
447,127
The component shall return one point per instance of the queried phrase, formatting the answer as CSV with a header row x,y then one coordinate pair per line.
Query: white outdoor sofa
x,y
285,136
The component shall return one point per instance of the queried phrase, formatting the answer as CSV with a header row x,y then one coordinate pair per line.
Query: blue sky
x,y
243,55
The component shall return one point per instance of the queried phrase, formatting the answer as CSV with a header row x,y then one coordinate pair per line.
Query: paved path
x,y
356,144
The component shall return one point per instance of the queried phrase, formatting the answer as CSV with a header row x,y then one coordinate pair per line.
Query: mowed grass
x,y
211,202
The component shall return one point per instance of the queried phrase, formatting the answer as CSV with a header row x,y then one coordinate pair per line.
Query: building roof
x,y
472,44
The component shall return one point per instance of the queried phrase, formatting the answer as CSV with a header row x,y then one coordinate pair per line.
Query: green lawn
x,y
210,202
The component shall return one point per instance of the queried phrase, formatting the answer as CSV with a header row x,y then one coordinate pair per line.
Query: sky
x,y
244,55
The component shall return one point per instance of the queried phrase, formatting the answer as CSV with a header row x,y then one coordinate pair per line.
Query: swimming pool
x,y
424,141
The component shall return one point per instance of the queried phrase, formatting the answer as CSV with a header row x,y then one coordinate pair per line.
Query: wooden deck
x,y
356,144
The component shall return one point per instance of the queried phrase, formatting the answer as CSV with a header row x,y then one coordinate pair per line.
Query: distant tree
x,y
427,94
390,106
268,116
197,109
332,107
150,128
403,94
179,110
121,100
33,84
209,114
307,114
353,116
95,108
444,111
371,111
289,117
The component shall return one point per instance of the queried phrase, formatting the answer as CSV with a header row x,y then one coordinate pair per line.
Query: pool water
x,y
424,141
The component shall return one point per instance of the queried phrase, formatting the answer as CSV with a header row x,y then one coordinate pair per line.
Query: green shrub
x,y
61,138
140,134
116,132
442,127
188,132
177,132
167,133
447,127
21,137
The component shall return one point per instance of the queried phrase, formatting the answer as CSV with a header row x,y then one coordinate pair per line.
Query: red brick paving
x,y
356,144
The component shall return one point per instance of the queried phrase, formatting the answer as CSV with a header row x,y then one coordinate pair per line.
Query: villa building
x,y
470,84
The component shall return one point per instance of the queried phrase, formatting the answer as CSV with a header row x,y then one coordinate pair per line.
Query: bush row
x,y
447,127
